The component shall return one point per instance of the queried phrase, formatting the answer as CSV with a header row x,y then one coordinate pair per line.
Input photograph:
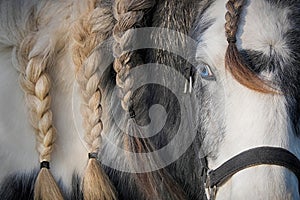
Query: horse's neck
x,y
252,121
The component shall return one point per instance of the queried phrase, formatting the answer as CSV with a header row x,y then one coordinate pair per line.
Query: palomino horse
x,y
243,88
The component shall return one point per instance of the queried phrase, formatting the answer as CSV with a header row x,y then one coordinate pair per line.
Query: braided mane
x,y
234,62
90,31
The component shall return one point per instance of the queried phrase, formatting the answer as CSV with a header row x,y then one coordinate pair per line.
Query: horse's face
x,y
267,40
234,113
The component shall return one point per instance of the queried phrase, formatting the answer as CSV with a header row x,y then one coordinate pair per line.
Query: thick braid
x,y
91,30
36,84
129,14
233,60
232,16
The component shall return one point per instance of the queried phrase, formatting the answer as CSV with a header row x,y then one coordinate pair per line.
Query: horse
x,y
248,80
82,56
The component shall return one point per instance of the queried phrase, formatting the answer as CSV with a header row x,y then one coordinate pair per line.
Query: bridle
x,y
213,179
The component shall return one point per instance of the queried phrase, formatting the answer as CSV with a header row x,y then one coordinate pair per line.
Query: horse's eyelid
x,y
210,78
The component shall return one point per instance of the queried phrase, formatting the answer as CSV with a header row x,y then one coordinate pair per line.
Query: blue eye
x,y
206,72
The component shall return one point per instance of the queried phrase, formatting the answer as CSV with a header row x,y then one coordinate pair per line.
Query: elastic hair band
x,y
45,164
131,113
93,155
231,39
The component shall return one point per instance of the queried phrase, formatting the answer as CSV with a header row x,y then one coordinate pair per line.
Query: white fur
x,y
266,35
251,119
17,142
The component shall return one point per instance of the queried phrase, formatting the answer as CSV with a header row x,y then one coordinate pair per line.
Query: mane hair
x,y
130,14
34,62
127,17
41,55
234,62
180,16
93,27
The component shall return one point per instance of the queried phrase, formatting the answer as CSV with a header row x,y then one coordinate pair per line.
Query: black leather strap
x,y
253,157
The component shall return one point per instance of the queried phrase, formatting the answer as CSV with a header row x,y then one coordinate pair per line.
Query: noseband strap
x,y
250,158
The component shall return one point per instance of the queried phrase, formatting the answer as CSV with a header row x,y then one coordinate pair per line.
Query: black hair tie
x,y
93,155
131,113
45,164
231,39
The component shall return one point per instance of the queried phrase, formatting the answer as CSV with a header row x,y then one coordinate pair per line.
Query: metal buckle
x,y
211,191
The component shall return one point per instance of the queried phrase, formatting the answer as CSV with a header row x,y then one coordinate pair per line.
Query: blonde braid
x,y
233,60
91,30
36,84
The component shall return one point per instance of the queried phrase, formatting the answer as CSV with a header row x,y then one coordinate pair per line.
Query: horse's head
x,y
247,80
